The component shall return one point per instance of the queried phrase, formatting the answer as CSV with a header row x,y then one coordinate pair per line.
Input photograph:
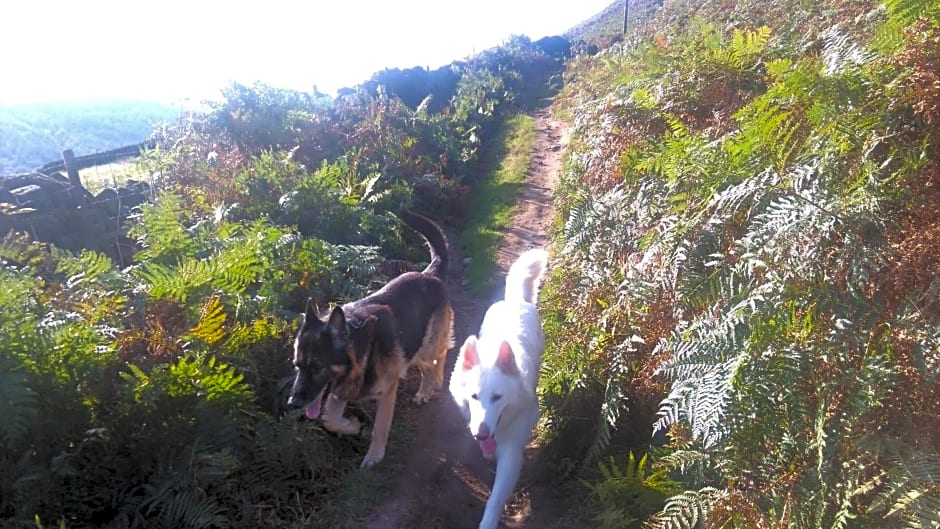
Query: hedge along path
x,y
444,481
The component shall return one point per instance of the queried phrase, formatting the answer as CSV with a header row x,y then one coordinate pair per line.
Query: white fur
x,y
497,394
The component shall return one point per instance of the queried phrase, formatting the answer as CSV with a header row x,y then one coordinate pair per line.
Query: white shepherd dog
x,y
495,377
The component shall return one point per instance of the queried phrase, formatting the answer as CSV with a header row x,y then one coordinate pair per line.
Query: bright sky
x,y
167,50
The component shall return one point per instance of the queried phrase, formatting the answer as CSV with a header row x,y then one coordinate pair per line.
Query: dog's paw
x,y
343,426
373,457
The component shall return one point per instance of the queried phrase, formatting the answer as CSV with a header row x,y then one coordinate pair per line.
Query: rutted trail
x,y
445,480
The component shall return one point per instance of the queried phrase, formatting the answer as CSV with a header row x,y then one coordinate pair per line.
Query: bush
x,y
738,213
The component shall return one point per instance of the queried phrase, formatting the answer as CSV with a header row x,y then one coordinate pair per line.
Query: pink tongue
x,y
488,446
312,411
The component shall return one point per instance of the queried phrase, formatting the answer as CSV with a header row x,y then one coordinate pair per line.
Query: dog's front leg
x,y
508,467
383,422
333,419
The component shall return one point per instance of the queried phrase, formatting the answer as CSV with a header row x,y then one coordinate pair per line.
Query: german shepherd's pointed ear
x,y
506,361
312,312
337,320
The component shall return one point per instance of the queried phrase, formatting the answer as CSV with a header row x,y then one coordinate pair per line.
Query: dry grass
x,y
113,174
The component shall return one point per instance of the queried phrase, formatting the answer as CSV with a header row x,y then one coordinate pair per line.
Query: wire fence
x,y
100,158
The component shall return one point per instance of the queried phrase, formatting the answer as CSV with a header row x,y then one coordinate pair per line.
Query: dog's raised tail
x,y
525,276
437,242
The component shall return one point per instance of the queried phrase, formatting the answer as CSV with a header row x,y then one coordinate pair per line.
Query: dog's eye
x,y
496,397
475,397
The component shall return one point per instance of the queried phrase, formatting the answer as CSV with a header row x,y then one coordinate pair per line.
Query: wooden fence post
x,y
69,158
626,11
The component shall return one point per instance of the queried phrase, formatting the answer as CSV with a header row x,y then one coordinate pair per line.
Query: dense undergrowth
x,y
747,279
152,395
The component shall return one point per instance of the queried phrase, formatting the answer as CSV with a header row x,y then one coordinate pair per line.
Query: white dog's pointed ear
x,y
468,354
506,361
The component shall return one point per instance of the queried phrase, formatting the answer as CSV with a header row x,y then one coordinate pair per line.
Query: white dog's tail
x,y
525,276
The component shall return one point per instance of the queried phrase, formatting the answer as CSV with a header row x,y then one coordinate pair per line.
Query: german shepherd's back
x,y
412,297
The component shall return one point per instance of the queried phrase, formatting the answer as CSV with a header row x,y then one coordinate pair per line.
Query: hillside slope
x,y
746,280
33,134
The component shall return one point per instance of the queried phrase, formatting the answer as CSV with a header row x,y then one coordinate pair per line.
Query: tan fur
x,y
355,376
430,360
383,423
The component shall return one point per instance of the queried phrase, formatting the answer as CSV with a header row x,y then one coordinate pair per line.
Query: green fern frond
x,y
679,154
233,270
615,402
627,492
683,460
163,281
751,42
87,267
686,510
243,335
840,53
18,403
744,46
633,468
186,510
905,12
889,37
191,274
354,267
225,384
772,132
910,490
163,233
705,362
171,505
216,382
211,326
17,250
602,437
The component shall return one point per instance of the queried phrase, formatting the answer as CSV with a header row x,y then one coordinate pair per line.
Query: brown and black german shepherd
x,y
360,350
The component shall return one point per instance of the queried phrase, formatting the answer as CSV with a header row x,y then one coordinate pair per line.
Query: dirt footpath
x,y
445,481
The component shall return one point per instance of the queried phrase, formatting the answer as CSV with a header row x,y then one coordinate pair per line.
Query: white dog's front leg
x,y
508,466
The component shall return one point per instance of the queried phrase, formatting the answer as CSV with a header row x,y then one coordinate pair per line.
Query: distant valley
x,y
33,134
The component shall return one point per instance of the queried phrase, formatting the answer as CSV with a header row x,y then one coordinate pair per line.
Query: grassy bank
x,y
495,196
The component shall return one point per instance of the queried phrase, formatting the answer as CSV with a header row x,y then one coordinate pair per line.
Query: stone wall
x,y
49,208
